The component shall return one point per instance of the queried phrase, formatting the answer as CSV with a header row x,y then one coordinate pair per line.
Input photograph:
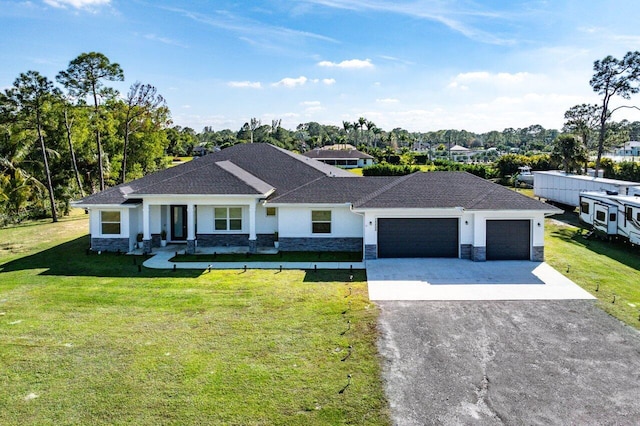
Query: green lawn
x,y
291,256
87,339
612,268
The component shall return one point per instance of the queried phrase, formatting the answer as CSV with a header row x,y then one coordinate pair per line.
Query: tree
x,y
614,77
254,124
143,101
370,125
582,120
84,77
569,150
68,112
17,185
29,101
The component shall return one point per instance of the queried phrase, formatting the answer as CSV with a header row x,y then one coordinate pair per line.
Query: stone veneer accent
x,y
265,240
146,246
538,254
479,254
110,244
191,247
253,246
321,244
370,251
222,240
465,251
155,240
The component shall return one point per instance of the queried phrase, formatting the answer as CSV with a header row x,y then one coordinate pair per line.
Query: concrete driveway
x,y
508,362
460,279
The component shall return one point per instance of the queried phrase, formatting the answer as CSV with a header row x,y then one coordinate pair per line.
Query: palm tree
x,y
361,123
17,185
370,125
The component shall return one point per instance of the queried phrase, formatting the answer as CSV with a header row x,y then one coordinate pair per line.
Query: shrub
x,y
385,169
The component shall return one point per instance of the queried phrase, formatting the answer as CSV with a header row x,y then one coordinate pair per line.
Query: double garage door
x,y
438,237
434,237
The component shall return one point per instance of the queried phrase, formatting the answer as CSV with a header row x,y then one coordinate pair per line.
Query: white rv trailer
x,y
563,188
612,215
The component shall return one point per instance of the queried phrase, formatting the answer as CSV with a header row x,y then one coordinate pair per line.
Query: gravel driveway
x,y
517,362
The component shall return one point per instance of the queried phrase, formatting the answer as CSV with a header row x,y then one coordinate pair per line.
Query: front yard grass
x,y
605,269
290,256
87,339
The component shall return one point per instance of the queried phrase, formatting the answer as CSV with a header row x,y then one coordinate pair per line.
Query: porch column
x,y
191,229
146,231
253,243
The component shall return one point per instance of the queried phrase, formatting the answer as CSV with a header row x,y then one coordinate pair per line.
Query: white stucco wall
x,y
160,213
266,224
95,223
480,226
372,216
472,225
295,222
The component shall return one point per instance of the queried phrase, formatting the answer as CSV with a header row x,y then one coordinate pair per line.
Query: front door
x,y
178,223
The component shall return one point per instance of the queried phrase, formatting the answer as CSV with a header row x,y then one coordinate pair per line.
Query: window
x,y
228,218
612,217
110,223
629,215
600,215
271,211
584,207
321,221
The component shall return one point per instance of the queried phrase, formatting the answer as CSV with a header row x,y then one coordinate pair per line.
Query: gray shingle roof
x,y
448,190
333,190
255,167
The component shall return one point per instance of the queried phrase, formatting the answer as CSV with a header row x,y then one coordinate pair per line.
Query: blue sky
x,y
419,65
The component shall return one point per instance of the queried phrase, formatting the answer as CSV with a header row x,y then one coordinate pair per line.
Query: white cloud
x,y
387,101
348,64
245,84
329,81
291,82
77,4
463,81
310,103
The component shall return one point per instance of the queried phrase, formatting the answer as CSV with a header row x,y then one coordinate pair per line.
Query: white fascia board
x,y
519,212
151,196
105,206
413,211
324,205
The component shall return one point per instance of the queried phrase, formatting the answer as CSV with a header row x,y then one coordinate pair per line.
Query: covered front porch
x,y
195,225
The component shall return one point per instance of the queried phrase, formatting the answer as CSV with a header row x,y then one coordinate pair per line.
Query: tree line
x,y
61,142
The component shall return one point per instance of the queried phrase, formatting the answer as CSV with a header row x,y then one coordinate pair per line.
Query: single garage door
x,y
418,237
508,239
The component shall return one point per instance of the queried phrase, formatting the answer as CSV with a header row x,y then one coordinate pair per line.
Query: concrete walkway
x,y
459,279
161,260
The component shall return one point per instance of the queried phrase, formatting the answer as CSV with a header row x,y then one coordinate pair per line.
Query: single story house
x,y
248,194
344,158
628,149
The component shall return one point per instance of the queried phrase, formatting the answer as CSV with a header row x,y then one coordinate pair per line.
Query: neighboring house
x,y
243,194
344,158
459,152
201,151
629,149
